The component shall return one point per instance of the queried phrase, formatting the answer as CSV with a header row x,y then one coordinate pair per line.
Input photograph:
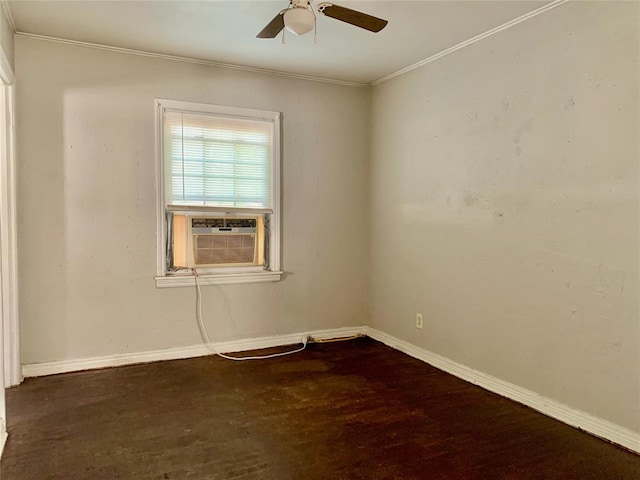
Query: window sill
x,y
171,281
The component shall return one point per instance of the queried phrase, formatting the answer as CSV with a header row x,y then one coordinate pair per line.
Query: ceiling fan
x,y
299,18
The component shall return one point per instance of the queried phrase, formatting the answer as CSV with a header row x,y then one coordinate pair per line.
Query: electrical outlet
x,y
419,322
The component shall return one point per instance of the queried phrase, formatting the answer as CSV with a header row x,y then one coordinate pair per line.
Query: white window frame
x,y
232,274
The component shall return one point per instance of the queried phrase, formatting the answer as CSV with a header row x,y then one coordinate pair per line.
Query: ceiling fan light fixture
x,y
299,20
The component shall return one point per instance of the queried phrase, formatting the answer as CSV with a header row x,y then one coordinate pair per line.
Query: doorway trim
x,y
8,229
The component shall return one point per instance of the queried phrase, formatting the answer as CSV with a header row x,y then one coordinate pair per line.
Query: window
x,y
218,177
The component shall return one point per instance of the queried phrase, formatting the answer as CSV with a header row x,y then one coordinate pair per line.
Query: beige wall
x,y
504,193
86,200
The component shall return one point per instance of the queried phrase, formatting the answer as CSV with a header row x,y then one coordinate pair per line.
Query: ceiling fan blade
x,y
274,27
353,17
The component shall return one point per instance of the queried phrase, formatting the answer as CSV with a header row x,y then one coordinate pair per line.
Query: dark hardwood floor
x,y
349,410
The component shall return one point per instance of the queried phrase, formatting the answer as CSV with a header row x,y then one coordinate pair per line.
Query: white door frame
x,y
8,230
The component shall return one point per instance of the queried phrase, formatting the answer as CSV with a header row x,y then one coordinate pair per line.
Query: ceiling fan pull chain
x,y
315,32
284,40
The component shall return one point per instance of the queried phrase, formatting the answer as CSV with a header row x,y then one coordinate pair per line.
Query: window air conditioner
x,y
199,241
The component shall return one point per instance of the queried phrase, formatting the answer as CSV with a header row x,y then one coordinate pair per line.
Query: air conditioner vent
x,y
224,249
200,222
217,241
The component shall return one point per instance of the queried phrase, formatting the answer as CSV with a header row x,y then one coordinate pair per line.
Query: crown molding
x,y
196,61
177,58
472,40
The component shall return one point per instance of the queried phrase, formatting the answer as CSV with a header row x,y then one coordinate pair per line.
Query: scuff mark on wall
x,y
525,127
570,103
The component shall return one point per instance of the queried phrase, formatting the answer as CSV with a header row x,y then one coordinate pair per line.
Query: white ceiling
x,y
225,31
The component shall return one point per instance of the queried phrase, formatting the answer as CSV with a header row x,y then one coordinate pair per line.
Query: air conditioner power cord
x,y
205,336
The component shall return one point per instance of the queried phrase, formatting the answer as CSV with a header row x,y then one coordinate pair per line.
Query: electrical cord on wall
x,y
333,340
205,336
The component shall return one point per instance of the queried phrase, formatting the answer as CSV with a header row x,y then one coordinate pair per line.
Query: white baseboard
x,y
3,439
65,366
594,425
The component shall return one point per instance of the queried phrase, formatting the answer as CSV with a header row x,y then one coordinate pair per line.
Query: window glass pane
x,y
217,161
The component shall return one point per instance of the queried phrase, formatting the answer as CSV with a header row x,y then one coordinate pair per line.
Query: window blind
x,y
214,160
